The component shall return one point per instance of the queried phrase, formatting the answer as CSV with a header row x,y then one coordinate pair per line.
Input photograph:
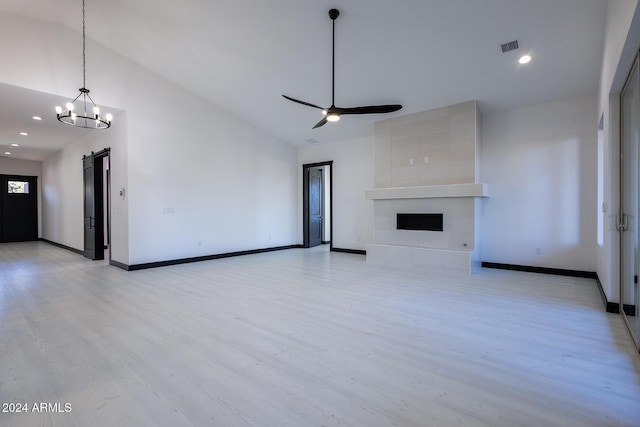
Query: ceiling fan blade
x,y
302,102
370,109
320,123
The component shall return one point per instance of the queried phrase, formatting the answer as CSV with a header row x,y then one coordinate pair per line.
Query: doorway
x,y
96,173
629,201
317,204
18,208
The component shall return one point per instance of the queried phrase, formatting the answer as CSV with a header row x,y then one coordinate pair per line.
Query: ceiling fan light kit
x,y
333,113
333,117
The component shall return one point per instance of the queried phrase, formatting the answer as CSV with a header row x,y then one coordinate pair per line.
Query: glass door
x,y
629,188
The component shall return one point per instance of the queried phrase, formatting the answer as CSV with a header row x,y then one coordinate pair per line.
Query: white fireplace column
x,y
428,163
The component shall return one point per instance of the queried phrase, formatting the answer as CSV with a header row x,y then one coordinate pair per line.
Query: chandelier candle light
x,y
87,114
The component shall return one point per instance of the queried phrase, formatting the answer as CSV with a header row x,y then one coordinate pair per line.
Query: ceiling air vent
x,y
507,47
312,141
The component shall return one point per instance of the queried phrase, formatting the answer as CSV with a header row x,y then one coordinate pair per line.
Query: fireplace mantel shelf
x,y
429,192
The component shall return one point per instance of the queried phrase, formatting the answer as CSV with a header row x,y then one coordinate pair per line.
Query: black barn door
x,y
18,208
93,208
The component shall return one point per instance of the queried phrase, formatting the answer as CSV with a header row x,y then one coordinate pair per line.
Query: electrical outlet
x,y
410,161
538,251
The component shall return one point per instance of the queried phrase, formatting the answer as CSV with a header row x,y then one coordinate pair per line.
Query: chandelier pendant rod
x,y
84,49
84,119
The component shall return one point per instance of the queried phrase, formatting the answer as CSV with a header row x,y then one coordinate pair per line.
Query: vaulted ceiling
x,y
243,55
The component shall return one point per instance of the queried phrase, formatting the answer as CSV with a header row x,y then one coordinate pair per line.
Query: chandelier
x,y
85,113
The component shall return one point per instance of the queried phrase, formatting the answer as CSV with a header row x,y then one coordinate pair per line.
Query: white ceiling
x,y
17,107
243,55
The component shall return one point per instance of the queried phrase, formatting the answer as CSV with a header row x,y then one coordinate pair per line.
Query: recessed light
x,y
8,153
36,118
24,133
15,145
524,59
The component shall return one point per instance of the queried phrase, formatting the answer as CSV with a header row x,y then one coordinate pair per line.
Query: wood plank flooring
x,y
305,338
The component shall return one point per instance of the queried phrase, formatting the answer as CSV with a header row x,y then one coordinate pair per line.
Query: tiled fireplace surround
x,y
428,162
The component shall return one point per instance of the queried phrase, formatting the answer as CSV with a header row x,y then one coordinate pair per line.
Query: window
x,y
18,187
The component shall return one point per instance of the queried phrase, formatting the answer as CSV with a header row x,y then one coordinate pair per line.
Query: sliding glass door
x,y
628,219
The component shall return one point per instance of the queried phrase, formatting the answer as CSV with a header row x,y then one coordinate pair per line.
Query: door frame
x,y
99,196
626,309
34,184
305,201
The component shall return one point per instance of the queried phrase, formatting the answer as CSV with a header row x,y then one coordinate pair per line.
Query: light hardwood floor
x,y
306,338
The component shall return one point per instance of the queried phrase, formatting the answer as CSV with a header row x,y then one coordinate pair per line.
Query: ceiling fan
x,y
333,113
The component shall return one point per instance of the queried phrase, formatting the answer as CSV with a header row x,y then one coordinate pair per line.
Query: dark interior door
x,y
315,207
93,208
18,208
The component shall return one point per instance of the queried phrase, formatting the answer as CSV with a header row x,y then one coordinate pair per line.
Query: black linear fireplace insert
x,y
419,221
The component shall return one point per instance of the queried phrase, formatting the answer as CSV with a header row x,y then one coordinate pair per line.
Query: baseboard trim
x,y
144,266
349,251
543,270
611,307
629,309
119,265
60,245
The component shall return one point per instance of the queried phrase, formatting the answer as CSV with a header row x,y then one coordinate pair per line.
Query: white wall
x,y
210,189
352,176
540,162
526,152
202,181
10,166
621,43
198,180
